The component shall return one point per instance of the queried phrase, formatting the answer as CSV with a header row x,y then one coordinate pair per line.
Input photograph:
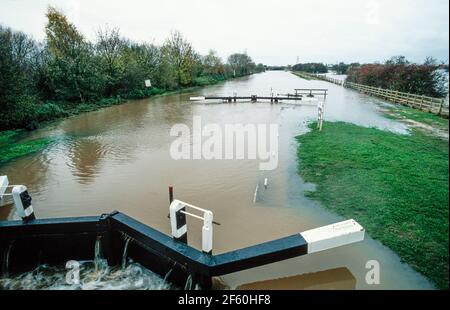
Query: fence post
x,y
441,106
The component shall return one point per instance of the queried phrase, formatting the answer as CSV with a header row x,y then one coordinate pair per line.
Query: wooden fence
x,y
329,79
438,106
313,76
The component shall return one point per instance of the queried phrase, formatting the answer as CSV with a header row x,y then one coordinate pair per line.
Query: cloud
x,y
272,31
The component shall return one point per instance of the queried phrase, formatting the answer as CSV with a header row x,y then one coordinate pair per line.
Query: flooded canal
x,y
118,159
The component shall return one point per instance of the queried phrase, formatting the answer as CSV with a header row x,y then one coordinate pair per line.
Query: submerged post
x,y
170,194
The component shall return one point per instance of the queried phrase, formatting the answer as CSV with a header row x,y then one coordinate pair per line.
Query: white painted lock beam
x,y
332,236
197,98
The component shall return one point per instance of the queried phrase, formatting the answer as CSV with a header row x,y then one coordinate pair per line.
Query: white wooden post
x,y
320,107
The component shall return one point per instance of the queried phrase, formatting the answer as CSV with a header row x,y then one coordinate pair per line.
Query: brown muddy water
x,y
118,159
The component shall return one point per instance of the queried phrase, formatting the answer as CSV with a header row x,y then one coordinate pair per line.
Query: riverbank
x,y
13,146
302,75
428,123
396,186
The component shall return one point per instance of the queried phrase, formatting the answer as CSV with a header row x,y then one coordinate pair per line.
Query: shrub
x,y
204,80
400,75
49,111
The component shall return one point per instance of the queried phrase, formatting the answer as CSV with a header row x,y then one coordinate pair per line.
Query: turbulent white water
x,y
93,275
132,277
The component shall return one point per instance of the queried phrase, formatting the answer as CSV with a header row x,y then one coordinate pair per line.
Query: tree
x,y
73,70
18,60
397,60
241,64
39,79
260,68
340,68
212,64
110,48
311,67
141,62
180,57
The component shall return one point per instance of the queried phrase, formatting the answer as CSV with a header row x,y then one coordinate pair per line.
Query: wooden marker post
x,y
320,115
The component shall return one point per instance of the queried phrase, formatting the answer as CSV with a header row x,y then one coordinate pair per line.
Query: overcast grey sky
x,y
271,31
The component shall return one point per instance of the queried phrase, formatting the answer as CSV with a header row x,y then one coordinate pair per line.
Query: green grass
x,y
12,146
396,186
402,112
302,75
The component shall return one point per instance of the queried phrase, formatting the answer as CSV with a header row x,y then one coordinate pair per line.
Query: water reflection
x,y
174,112
333,279
84,156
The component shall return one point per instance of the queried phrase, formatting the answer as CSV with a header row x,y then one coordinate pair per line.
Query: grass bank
x,y
396,186
53,110
12,146
400,112
303,75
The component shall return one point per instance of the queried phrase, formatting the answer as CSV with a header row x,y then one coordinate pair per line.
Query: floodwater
x,y
118,159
